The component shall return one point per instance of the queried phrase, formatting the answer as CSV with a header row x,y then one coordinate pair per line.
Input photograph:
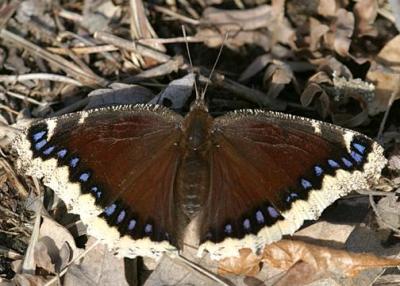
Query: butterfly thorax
x,y
192,180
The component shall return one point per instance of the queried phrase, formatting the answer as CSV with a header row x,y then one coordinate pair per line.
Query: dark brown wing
x,y
116,168
270,172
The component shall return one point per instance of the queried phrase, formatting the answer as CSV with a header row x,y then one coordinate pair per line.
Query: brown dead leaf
x,y
327,8
57,236
247,264
244,27
42,257
339,38
255,67
365,12
315,90
321,261
385,74
317,32
277,76
98,267
388,212
29,280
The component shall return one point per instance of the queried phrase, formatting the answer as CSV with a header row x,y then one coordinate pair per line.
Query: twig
x,y
389,105
29,265
131,46
67,66
25,98
176,15
39,76
70,15
14,179
201,270
84,50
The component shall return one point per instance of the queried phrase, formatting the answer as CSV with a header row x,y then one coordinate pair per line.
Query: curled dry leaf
x,y
243,27
365,12
277,76
321,261
246,264
331,96
317,32
177,92
117,94
384,74
342,29
315,90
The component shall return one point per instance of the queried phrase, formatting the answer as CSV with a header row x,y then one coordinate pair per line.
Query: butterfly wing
x,y
270,172
115,168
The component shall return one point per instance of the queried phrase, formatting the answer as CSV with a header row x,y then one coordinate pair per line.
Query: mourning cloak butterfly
x,y
137,175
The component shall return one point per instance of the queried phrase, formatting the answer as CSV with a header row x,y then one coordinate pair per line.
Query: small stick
x,y
131,46
201,270
39,76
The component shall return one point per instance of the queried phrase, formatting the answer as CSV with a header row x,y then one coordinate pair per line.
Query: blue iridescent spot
x,y
260,217
148,228
110,209
318,170
357,157
246,224
74,162
347,163
291,197
40,144
360,148
49,150
121,216
131,224
84,177
306,184
62,153
38,135
228,229
95,190
333,163
273,212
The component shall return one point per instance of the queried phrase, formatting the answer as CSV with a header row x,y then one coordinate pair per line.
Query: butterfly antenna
x,y
190,61
213,68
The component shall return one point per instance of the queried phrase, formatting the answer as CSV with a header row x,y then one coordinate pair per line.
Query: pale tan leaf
x,y
365,12
384,73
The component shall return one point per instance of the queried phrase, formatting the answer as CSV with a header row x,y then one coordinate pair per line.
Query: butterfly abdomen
x,y
193,175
